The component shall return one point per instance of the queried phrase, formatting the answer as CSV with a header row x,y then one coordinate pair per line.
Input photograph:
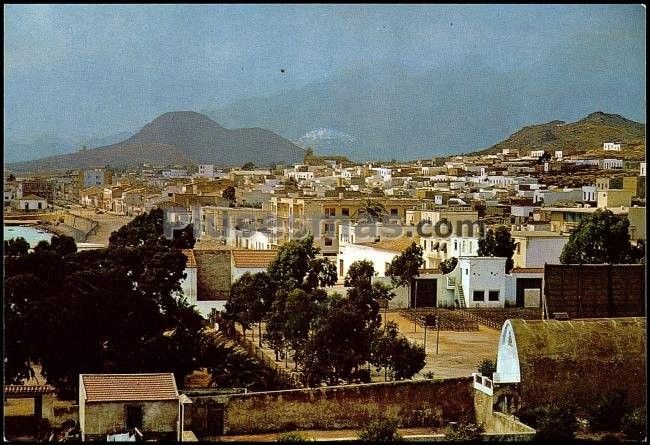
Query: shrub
x,y
634,424
487,368
293,436
380,430
463,432
553,423
428,375
607,414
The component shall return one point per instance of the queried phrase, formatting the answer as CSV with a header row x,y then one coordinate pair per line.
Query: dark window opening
x,y
479,295
345,212
493,295
134,414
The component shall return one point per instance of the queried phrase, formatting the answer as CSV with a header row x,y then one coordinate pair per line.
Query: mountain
x,y
181,137
585,135
388,111
17,150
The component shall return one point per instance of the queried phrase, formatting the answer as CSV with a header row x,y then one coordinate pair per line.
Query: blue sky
x,y
93,70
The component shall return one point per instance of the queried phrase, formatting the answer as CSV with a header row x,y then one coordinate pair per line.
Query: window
x,y
493,295
425,244
134,416
330,211
328,241
478,295
466,271
393,211
345,212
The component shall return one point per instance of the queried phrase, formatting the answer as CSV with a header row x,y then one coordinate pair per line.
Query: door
x,y
424,293
215,419
526,283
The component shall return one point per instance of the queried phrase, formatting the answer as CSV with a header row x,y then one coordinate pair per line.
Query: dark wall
x,y
595,290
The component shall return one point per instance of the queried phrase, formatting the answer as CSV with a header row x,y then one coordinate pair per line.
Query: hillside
x,y
181,137
584,136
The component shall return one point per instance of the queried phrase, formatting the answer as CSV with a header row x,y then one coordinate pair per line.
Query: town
x,y
324,222
458,299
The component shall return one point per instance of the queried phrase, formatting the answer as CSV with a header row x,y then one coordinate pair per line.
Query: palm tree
x,y
371,211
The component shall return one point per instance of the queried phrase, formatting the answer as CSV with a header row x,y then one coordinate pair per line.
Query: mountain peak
x,y
605,118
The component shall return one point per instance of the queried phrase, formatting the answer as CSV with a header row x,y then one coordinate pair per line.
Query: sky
x,y
75,70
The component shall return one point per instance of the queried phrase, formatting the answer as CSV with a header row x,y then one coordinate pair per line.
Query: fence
x,y
448,320
252,349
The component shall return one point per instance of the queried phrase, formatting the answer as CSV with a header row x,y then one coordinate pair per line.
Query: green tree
x,y
498,243
248,166
606,415
448,265
372,211
229,193
634,424
293,436
601,238
464,432
16,246
251,298
553,423
408,359
360,274
147,229
405,267
380,430
296,266
486,367
63,245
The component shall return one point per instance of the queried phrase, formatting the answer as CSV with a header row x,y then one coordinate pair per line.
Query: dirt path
x,y
107,224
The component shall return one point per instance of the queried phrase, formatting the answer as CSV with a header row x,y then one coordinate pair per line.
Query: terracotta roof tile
x,y
125,387
253,258
394,245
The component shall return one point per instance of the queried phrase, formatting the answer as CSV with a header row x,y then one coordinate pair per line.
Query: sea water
x,y
33,235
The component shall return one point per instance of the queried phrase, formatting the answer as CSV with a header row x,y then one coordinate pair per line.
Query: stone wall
x,y
413,403
158,417
213,272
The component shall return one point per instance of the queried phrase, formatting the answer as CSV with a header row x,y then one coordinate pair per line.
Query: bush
x,y
634,424
362,375
463,432
607,414
553,423
293,436
487,368
380,430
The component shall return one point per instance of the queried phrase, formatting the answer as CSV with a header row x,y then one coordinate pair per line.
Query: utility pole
x,y
425,337
438,333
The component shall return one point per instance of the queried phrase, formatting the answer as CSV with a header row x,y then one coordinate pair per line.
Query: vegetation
x,y
248,166
553,423
602,238
16,246
229,193
114,310
372,211
147,230
463,432
380,430
448,265
634,424
487,368
498,243
293,436
608,413
405,267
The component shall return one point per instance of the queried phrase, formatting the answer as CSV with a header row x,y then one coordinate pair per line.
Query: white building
x,y
558,155
174,173
642,169
30,203
533,249
612,146
536,153
483,281
609,164
588,193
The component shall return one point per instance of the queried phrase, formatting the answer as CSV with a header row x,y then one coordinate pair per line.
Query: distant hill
x,y
584,136
180,137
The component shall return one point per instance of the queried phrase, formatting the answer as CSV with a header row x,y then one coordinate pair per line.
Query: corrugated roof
x,y
127,387
191,261
253,258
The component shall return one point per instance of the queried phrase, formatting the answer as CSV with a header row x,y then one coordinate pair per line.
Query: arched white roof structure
x,y
508,370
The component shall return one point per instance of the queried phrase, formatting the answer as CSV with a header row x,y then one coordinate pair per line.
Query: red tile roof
x,y
129,387
253,258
